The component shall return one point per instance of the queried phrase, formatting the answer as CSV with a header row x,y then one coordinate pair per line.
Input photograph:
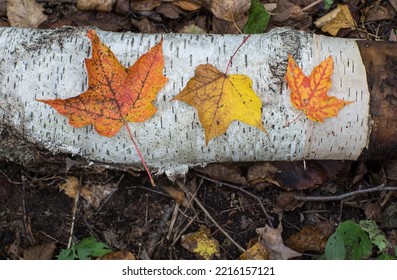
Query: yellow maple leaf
x,y
221,99
309,94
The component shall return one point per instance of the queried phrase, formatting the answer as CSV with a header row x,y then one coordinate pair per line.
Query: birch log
x,y
48,64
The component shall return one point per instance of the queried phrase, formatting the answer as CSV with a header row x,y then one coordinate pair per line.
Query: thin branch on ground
x,y
74,210
241,189
381,187
311,5
185,189
172,221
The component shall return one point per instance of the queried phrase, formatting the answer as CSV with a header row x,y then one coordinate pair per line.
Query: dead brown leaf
x,y
380,10
70,187
224,172
3,8
95,5
25,13
187,5
178,195
40,252
256,252
144,5
335,20
230,10
272,240
261,172
169,10
294,176
308,239
286,202
118,255
94,194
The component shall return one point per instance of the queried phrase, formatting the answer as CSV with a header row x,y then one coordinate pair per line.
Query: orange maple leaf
x,y
221,99
115,94
309,94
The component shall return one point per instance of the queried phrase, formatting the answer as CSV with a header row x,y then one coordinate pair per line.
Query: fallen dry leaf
x,y
70,187
296,176
144,5
116,95
119,255
25,13
96,193
201,243
230,10
187,5
272,240
256,252
40,252
308,239
221,99
95,5
224,172
310,94
335,20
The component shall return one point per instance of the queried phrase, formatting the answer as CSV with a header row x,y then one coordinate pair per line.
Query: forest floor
x,y
233,206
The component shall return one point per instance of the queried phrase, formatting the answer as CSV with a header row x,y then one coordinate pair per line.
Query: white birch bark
x,y
48,64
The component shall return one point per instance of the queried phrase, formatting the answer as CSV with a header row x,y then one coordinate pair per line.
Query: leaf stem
x,y
140,155
231,58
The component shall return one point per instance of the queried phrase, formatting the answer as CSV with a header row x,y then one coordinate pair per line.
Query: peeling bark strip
x,y
380,59
49,64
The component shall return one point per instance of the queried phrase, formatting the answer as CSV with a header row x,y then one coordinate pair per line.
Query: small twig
x,y
74,210
315,3
345,195
172,221
241,189
180,233
183,188
231,58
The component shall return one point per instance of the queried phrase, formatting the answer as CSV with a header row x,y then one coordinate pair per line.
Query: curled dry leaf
x,y
201,243
25,13
230,10
221,99
335,20
70,186
272,240
95,5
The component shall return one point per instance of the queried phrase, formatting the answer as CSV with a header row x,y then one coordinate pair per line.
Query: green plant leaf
x,y
376,236
335,248
258,18
87,248
357,243
385,256
328,4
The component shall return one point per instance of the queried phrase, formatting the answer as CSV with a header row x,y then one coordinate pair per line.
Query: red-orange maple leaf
x,y
115,94
309,94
